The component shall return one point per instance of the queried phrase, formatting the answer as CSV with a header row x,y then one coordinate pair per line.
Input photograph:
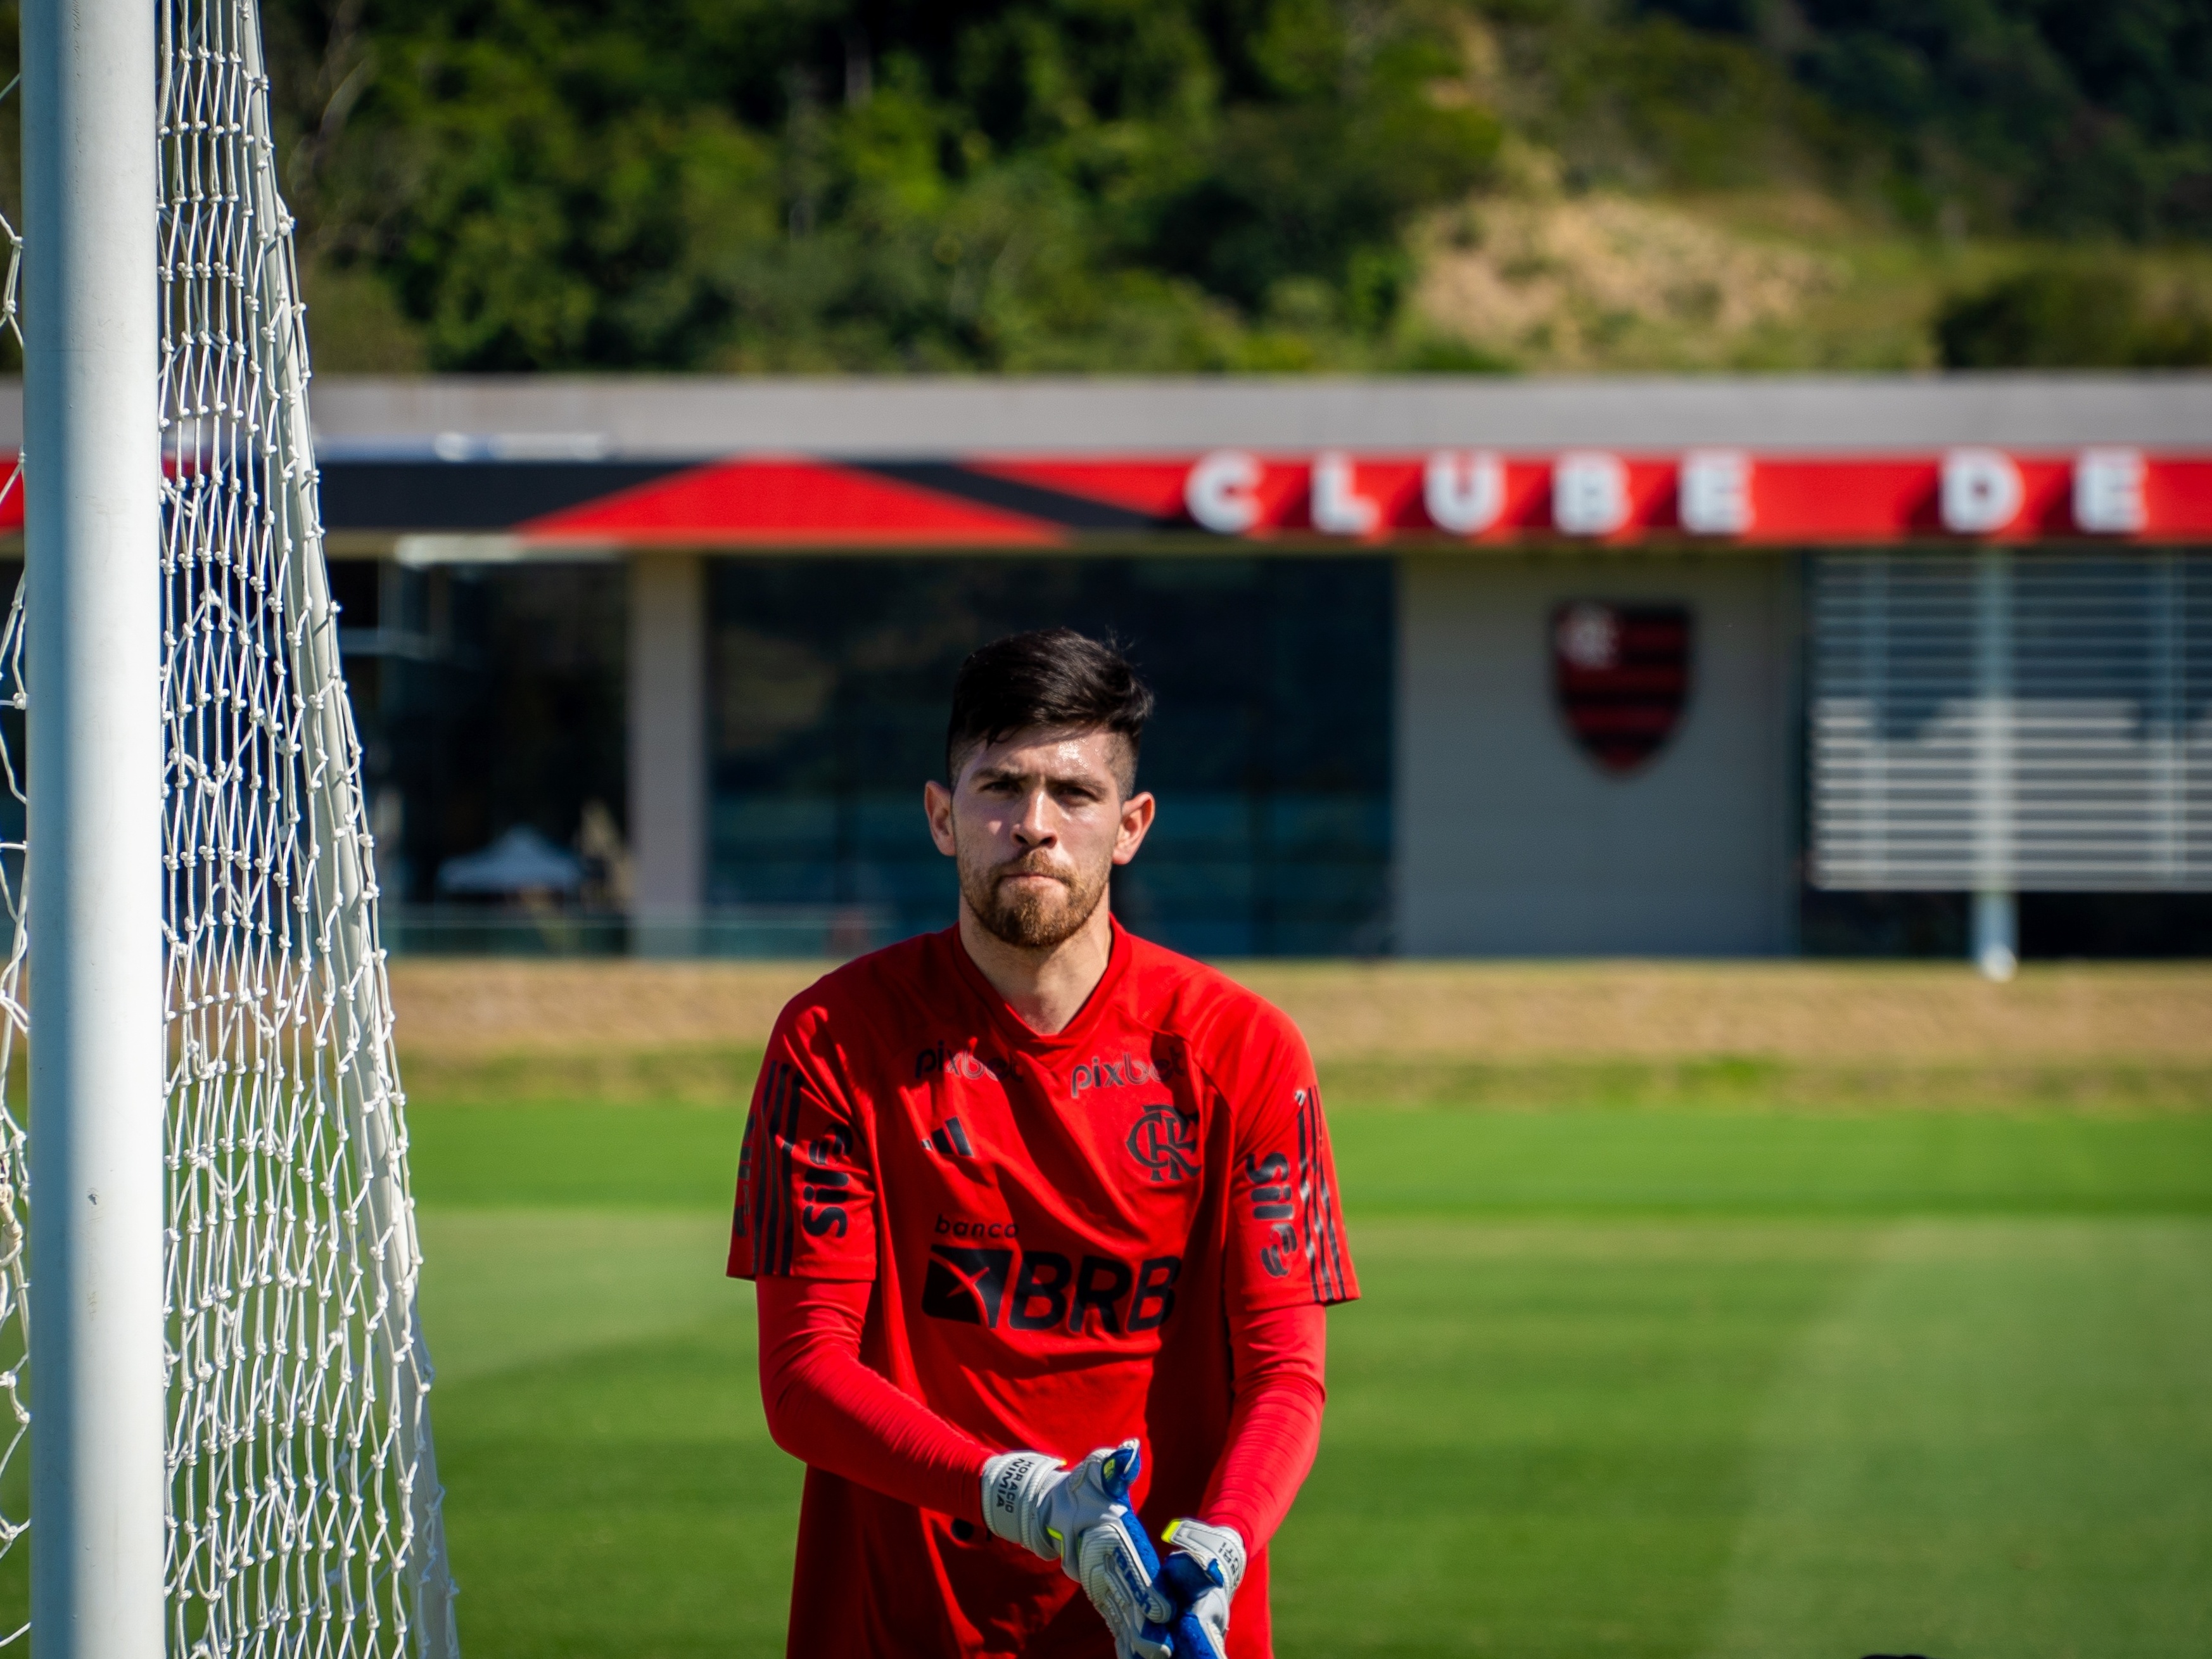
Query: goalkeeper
x,y
1022,1191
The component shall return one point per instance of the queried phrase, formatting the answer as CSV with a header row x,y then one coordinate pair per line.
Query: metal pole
x,y
93,620
1997,935
1995,911
667,752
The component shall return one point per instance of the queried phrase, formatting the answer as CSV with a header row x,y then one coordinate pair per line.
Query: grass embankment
x,y
1683,1364
1776,279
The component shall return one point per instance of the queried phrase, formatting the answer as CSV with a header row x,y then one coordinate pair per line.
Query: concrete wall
x,y
554,417
1512,842
668,739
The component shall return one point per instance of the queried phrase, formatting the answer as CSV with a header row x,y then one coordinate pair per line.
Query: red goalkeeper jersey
x,y
1057,1230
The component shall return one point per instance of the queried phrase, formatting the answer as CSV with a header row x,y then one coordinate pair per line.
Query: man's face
x,y
1037,823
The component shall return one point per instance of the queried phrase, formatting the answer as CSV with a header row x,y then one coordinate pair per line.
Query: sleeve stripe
x,y
1308,1195
1306,1199
772,1222
1305,1186
764,1131
741,1220
1324,1259
787,1220
1332,1228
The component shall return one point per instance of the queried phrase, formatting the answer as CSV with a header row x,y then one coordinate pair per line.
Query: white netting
x,y
303,1496
303,1514
15,1027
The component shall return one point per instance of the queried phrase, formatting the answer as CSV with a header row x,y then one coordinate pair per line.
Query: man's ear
x,y
936,807
1136,822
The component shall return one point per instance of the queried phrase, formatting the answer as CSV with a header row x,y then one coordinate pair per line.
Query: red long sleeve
x,y
827,1408
1275,1428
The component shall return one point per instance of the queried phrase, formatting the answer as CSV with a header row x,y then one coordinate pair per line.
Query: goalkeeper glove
x,y
1081,1519
1191,1592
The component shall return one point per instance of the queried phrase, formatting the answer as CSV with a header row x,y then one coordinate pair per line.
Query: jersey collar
x,y
1018,1032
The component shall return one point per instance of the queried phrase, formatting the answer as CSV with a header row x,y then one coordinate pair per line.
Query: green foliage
x,y
1139,186
2072,316
1649,101
584,184
2059,117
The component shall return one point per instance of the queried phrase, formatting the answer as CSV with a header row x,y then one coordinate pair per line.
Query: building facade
x,y
1660,667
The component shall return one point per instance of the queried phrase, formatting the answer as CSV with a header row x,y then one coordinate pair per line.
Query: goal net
x,y
15,1145
303,1508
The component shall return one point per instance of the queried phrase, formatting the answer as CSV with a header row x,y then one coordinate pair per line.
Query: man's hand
x,y
1191,1591
1080,1517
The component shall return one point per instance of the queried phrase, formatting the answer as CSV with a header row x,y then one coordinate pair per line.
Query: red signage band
x,y
1604,497
1456,495
1444,497
780,501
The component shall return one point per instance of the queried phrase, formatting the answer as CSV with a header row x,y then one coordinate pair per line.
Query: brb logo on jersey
x,y
1028,1290
1164,1140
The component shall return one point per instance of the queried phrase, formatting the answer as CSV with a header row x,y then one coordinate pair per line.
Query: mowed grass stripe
x,y
1616,1373
590,1158
624,1503
1692,1163
1680,1438
505,1289
1415,1162
1536,1440
1537,1444
1999,1442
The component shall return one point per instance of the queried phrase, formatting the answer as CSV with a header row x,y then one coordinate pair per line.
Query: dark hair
x,y
1048,676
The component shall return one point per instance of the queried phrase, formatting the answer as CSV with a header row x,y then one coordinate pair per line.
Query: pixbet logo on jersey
x,y
960,1062
1125,1073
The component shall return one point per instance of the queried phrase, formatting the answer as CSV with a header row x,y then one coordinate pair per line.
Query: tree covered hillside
x,y
1160,184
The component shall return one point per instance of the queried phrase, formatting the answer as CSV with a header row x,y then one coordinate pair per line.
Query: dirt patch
x,y
1868,1016
452,1010
1567,279
1871,1015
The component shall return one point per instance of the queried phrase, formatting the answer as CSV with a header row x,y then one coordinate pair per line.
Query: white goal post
x,y
227,1391
92,634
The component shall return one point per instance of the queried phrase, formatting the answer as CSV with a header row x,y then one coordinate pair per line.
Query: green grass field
x,y
1661,1382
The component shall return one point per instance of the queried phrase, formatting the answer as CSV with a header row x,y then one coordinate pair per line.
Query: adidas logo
x,y
949,1139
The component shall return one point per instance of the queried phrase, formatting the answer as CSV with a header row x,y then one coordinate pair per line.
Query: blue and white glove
x,y
1190,1593
1080,1517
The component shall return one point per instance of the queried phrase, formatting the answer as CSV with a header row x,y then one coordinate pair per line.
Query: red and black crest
x,y
1622,676
1164,1140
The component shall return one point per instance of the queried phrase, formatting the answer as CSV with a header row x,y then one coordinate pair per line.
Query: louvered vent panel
x,y
2021,721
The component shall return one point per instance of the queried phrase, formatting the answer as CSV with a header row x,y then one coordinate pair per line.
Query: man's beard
x,y
1026,917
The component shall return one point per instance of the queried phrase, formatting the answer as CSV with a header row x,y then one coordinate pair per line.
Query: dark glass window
x,y
1270,750
488,697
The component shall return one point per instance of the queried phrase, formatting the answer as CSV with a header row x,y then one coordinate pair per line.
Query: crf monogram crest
x,y
1165,1141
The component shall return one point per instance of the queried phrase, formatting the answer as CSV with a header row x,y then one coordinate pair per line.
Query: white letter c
x,y
1218,492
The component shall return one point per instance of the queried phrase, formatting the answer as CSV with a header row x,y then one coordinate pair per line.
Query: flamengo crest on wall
x,y
1621,675
1479,496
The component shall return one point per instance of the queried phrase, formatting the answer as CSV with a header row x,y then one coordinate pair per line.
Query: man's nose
x,y
1033,826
